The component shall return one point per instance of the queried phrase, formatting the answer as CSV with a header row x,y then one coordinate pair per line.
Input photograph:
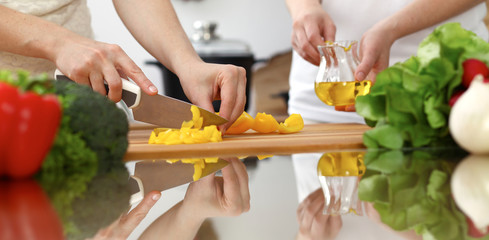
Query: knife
x,y
160,175
159,110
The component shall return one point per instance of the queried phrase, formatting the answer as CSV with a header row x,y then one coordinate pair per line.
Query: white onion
x,y
469,118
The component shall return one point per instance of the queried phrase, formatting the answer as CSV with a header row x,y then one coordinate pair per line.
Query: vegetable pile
x,y
409,102
90,140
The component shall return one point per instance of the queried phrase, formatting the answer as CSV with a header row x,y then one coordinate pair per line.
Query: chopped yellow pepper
x,y
294,123
242,124
265,123
199,164
189,133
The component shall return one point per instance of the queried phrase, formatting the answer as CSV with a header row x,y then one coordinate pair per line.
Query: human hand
x,y
311,27
214,196
205,82
375,48
89,62
313,224
125,224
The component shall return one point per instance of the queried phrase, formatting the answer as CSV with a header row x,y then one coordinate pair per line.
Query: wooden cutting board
x,y
313,138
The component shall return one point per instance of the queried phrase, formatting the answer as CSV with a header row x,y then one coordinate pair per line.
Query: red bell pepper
x,y
26,212
28,126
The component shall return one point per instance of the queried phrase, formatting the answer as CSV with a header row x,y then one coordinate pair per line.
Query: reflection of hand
x,y
312,26
214,196
313,224
375,48
123,227
90,62
211,196
205,82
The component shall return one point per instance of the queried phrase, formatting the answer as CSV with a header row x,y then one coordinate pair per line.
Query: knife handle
x,y
131,93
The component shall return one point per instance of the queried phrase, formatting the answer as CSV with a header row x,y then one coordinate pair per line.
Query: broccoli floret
x,y
101,124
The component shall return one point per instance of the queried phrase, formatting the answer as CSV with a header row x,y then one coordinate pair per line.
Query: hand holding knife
x,y
159,110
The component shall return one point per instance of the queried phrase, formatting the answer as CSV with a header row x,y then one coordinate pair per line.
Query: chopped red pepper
x,y
28,126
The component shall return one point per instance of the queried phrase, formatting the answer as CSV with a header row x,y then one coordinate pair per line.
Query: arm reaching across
x,y
81,59
163,37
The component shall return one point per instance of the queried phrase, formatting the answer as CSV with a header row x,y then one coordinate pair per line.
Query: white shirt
x,y
352,19
71,14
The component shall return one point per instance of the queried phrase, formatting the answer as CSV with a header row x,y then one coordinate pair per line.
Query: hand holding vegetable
x,y
205,82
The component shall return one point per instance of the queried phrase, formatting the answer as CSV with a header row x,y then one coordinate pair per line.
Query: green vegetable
x,y
411,191
408,104
99,123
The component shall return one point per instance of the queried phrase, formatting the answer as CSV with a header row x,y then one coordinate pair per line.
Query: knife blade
x,y
159,110
160,175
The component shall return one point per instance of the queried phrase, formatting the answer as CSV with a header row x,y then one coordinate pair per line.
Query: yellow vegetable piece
x,y
265,123
294,123
195,113
189,133
199,164
187,124
197,172
341,164
242,124
261,157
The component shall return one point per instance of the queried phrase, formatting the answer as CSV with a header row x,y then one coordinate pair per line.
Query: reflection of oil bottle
x,y
339,174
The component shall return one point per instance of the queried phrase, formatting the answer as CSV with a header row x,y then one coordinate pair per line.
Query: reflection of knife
x,y
160,175
158,110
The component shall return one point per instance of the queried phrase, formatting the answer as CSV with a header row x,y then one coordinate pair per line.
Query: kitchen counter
x,y
381,191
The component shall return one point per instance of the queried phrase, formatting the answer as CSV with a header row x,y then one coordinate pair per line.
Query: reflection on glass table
x,y
415,194
339,174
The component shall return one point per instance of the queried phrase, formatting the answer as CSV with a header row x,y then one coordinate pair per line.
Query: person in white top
x,y
40,36
388,32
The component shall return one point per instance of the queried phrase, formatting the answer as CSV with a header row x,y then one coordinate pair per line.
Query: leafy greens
x,y
408,104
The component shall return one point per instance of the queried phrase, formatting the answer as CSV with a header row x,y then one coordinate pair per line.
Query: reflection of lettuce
x,y
408,105
412,191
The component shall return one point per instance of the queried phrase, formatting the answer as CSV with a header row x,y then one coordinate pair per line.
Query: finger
x,y
114,81
231,191
232,85
97,82
329,32
310,211
131,220
131,70
243,180
305,49
240,101
364,67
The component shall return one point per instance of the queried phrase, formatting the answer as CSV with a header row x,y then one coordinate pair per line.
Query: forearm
x,y
176,223
420,14
156,27
296,7
29,35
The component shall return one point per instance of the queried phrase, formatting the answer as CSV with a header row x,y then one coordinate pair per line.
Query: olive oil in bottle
x,y
341,93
